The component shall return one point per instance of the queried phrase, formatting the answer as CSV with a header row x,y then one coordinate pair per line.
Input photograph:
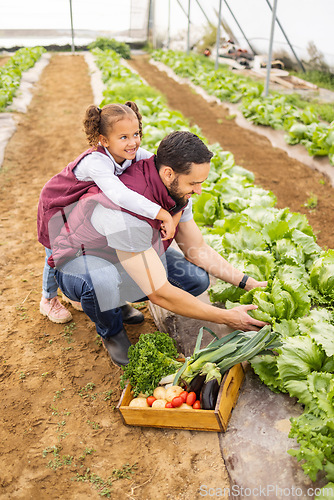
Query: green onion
x,y
221,354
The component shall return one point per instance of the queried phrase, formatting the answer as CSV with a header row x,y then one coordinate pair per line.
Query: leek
x,y
221,354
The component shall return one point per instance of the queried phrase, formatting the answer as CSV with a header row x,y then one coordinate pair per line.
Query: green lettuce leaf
x,y
298,357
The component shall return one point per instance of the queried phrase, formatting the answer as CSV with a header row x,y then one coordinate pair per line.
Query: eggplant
x,y
209,394
196,385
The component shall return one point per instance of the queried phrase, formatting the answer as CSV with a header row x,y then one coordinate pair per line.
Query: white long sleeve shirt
x,y
104,171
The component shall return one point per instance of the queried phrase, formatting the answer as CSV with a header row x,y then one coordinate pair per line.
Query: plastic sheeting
x,y
20,102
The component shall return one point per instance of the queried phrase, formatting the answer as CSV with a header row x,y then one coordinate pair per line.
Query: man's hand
x,y
167,225
252,283
239,319
168,228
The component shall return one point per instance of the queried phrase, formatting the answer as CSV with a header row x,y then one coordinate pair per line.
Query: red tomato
x,y
177,401
169,405
183,396
197,405
191,398
150,400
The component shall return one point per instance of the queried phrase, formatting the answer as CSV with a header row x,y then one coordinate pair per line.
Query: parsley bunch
x,y
151,359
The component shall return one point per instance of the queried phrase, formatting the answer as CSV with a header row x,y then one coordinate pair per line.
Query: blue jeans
x,y
102,287
49,284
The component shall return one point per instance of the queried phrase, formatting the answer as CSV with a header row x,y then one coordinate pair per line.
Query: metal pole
x,y
270,51
168,34
154,40
72,31
286,38
235,19
206,17
218,33
180,4
130,27
148,34
188,33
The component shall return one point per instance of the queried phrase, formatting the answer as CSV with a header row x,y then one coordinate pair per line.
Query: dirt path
x,y
292,182
3,60
59,392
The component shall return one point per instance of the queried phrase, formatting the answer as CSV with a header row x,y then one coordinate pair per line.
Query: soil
x,y
61,435
3,60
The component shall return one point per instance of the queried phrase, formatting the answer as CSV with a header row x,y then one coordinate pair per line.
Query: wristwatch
x,y
242,283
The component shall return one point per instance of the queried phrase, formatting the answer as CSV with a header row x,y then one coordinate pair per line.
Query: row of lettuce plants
x,y
239,219
11,72
301,126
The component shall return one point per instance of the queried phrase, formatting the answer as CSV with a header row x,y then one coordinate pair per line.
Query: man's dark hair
x,y
180,149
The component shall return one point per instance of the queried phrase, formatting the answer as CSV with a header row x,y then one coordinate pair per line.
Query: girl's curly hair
x,y
99,121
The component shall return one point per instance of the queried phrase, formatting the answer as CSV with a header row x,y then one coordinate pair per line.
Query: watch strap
x,y
243,282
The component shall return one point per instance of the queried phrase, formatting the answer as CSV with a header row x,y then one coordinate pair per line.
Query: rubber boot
x,y
131,315
117,347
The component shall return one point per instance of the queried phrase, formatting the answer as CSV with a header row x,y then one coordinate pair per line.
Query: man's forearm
x,y
183,303
208,259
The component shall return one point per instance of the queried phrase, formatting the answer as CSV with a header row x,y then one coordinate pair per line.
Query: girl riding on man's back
x,y
114,134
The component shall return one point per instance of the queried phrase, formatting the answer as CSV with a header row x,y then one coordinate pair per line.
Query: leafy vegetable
x,y
151,358
278,111
11,72
322,277
318,325
298,357
281,300
240,221
221,354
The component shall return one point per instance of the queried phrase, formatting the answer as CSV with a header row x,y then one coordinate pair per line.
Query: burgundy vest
x,y
61,191
76,235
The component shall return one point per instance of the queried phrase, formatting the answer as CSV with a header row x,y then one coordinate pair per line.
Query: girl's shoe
x,y
54,310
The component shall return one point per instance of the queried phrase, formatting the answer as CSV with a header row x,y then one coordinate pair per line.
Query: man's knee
x,y
201,282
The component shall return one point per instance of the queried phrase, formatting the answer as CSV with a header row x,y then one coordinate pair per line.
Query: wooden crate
x,y
198,420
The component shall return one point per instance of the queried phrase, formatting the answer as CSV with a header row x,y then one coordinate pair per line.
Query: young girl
x,y
114,134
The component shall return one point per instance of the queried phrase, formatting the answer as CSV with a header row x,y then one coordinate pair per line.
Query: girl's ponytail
x,y
91,124
135,109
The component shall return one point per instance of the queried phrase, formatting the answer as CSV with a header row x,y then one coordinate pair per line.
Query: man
x,y
105,257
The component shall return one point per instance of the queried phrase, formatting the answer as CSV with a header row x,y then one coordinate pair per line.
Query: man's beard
x,y
180,200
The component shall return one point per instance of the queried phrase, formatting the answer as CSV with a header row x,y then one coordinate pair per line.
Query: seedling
x,y
22,375
230,117
84,391
125,471
61,424
103,485
139,305
87,451
95,425
58,394
54,410
312,202
108,395
52,449
68,332
67,459
98,340
57,462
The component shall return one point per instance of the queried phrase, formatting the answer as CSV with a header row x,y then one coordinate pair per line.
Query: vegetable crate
x,y
198,420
